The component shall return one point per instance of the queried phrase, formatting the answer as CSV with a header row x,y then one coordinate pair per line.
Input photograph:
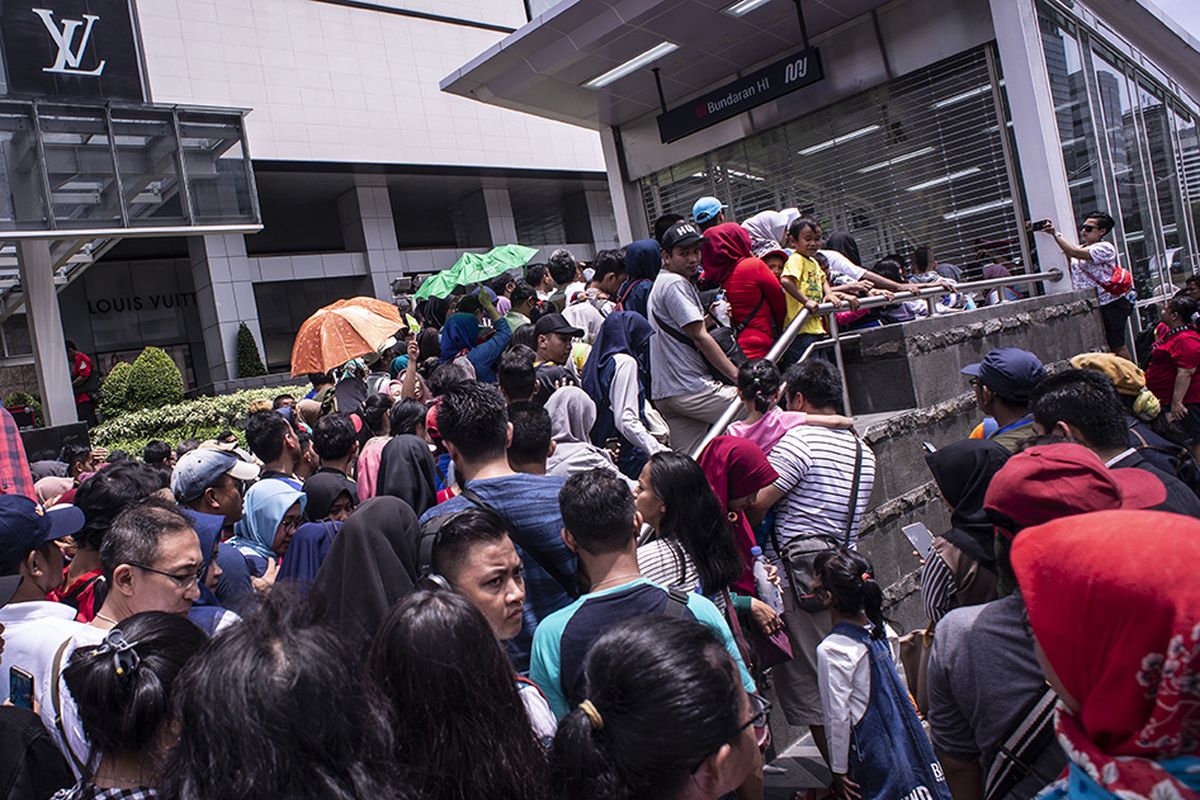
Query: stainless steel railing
x,y
828,309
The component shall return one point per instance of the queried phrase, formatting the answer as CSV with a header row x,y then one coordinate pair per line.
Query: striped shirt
x,y
667,565
816,473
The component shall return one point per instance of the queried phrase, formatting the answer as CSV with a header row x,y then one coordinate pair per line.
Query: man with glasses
x,y
1093,264
152,562
1003,382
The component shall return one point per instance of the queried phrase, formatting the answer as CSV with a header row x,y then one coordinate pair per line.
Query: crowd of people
x,y
487,564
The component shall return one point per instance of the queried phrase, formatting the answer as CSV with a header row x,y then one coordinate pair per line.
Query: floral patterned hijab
x,y
1114,601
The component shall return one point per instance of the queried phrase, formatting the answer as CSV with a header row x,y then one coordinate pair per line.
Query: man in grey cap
x,y
212,482
1003,382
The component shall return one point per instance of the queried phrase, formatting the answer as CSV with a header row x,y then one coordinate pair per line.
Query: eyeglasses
x,y
290,524
1087,228
182,581
760,708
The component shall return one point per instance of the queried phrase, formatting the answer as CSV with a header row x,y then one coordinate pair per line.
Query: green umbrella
x,y
476,268
494,262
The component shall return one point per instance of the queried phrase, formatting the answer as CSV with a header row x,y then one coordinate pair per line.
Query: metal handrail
x,y
877,301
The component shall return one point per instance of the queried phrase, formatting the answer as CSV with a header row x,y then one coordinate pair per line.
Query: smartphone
x,y
20,688
1040,225
929,448
920,537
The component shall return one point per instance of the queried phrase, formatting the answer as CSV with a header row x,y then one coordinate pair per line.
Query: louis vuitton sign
x,y
81,49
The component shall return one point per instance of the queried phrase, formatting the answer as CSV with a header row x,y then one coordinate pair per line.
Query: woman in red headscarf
x,y
1114,604
756,301
737,469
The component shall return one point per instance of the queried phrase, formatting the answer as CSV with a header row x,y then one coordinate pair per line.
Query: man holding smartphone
x,y
1094,266
34,627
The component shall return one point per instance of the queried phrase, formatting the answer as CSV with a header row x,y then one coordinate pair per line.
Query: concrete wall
x,y
332,83
932,352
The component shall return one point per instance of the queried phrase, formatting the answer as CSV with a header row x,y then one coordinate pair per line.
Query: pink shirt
x,y
767,432
368,466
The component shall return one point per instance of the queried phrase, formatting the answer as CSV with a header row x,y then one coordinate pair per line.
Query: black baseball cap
x,y
1009,372
555,323
681,234
25,526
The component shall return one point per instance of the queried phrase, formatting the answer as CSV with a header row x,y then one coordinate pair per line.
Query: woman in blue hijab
x,y
617,377
460,336
643,260
272,513
207,612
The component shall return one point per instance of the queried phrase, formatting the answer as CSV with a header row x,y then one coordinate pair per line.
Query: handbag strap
x,y
56,703
677,603
853,508
568,584
1021,744
738,327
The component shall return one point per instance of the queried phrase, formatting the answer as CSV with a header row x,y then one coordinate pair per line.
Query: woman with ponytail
x,y
876,745
759,387
643,677
123,690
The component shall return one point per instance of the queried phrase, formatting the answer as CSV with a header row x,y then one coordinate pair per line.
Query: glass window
x,y
1121,134
83,184
1188,141
1163,168
1068,88
218,175
147,155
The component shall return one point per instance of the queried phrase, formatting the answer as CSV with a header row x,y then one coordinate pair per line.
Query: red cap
x,y
1060,480
431,426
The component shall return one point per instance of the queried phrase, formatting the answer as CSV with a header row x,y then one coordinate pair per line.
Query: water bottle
x,y
720,309
768,592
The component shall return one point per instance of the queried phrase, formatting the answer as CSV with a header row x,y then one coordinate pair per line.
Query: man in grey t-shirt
x,y
680,385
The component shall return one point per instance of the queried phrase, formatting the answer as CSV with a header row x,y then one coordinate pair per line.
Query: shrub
x,y
202,418
154,381
19,399
113,400
249,362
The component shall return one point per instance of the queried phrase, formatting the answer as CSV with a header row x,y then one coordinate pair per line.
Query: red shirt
x,y
85,595
81,367
1175,352
750,282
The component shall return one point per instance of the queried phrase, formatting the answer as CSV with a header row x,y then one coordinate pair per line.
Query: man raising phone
x,y
1094,266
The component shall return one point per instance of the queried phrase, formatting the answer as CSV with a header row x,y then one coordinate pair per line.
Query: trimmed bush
x,y
202,418
114,389
154,381
249,362
18,399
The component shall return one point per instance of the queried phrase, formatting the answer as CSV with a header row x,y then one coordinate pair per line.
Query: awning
x,y
542,67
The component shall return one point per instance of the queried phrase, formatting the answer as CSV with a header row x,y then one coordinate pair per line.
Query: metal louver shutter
x,y
916,161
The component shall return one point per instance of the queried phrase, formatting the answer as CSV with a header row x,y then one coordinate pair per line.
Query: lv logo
x,y
67,61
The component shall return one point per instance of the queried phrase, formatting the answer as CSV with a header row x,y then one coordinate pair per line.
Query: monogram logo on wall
x,y
68,60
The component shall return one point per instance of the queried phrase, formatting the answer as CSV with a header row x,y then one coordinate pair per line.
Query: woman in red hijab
x,y
756,300
1114,603
736,469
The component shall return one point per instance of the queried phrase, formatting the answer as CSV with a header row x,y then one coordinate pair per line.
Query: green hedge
x,y
202,418
154,381
114,389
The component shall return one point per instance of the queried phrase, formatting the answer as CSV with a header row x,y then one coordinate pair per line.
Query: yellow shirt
x,y
810,279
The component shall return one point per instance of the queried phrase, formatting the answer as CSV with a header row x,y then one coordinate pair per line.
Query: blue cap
x,y
706,208
1009,372
25,526
202,468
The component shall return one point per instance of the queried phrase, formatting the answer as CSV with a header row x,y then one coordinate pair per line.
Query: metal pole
x,y
789,334
841,364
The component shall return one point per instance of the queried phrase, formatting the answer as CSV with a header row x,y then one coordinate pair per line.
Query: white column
x,y
1035,127
224,280
45,331
368,228
628,209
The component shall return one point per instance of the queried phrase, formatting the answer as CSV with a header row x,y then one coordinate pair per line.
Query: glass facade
x,y
917,161
1130,147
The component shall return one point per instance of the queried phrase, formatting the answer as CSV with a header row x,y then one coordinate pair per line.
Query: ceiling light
x,y
637,62
968,212
967,95
924,151
953,176
816,148
743,7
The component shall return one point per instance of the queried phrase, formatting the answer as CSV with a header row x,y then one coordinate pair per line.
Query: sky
x,y
1185,12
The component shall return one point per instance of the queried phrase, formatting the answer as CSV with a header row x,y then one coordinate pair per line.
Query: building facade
x,y
364,172
946,123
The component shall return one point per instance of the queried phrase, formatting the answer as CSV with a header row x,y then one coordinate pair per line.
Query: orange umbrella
x,y
343,331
